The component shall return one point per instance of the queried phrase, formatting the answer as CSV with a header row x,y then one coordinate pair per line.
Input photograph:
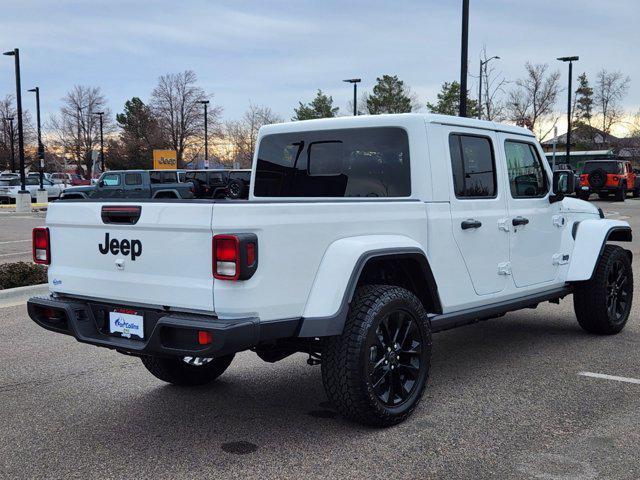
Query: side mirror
x,y
101,183
564,183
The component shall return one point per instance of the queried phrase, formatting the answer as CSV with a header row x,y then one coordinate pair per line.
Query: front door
x,y
536,224
478,208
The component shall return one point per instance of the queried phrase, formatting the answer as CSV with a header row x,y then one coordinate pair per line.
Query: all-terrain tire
x,y
346,358
621,194
636,192
592,299
178,372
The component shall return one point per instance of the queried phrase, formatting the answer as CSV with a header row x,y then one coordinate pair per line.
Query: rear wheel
x,y
602,304
187,371
376,371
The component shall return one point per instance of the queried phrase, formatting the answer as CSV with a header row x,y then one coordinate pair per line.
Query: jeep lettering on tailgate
x,y
122,247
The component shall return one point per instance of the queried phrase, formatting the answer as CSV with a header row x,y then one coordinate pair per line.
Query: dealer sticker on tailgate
x,y
126,324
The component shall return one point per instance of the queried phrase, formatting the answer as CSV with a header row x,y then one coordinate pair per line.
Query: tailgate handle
x,y
121,214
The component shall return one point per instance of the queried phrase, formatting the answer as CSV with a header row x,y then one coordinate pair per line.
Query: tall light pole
x,y
40,146
570,60
483,64
16,54
206,133
100,114
464,58
355,82
13,141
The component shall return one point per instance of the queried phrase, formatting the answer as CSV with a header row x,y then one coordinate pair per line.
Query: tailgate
x,y
164,259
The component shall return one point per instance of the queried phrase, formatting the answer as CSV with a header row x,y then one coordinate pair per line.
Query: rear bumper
x,y
168,334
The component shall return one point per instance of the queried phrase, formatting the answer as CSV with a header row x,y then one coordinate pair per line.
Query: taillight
x,y
41,246
235,257
615,179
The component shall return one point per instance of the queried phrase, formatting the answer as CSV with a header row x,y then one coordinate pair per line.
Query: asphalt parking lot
x,y
15,235
505,400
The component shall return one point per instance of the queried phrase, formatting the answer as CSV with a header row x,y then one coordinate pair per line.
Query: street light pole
x,y
40,146
13,141
464,58
483,64
100,114
206,134
570,60
355,82
16,54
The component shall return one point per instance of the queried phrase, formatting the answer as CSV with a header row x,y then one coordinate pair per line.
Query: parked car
x,y
606,177
636,184
71,179
45,175
9,189
128,184
219,183
361,237
8,175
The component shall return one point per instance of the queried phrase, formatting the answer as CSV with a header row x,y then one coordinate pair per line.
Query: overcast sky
x,y
277,52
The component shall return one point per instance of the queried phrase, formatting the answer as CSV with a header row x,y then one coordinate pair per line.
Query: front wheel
x,y
602,304
187,371
375,372
621,194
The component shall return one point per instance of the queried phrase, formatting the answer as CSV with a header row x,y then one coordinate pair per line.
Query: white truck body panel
x,y
174,268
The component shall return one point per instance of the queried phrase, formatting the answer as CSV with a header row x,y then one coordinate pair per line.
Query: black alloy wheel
x,y
395,351
618,293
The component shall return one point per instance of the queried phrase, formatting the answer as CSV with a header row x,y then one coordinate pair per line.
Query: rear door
x,y
164,259
478,207
536,224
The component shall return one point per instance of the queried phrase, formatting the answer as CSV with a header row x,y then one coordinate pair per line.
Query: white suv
x,y
360,238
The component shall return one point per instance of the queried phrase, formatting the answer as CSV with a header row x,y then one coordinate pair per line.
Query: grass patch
x,y
21,274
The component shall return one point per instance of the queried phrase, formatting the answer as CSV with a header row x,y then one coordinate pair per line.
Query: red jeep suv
x,y
606,177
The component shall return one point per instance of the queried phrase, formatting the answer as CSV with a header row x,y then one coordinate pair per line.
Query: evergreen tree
x,y
389,96
584,101
449,101
320,107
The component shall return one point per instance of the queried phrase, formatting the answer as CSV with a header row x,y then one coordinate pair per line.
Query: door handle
x,y
519,221
471,223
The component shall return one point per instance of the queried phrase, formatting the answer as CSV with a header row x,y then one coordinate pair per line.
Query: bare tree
x,y
610,89
8,110
241,135
493,85
531,104
175,103
76,127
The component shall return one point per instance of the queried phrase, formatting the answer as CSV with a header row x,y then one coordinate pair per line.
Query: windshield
x,y
608,167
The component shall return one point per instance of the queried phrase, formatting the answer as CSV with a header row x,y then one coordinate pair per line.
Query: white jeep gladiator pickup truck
x,y
361,237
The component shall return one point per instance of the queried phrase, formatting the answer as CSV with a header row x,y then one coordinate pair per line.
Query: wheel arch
x,y
166,193
351,262
591,236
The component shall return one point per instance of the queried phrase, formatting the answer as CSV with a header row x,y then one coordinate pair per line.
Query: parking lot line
x,y
15,241
610,377
16,253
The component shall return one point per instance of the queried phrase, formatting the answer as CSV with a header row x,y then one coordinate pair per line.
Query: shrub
x,y
21,274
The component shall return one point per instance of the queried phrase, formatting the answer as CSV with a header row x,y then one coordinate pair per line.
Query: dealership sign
x,y
165,160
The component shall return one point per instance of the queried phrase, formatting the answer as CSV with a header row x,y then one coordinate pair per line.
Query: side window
x,y
111,180
155,177
133,179
527,177
473,165
168,177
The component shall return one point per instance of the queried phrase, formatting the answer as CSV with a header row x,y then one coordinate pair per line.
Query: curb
x,y
18,295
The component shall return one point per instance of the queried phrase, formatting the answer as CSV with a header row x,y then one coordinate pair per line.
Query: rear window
x,y
355,162
608,167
